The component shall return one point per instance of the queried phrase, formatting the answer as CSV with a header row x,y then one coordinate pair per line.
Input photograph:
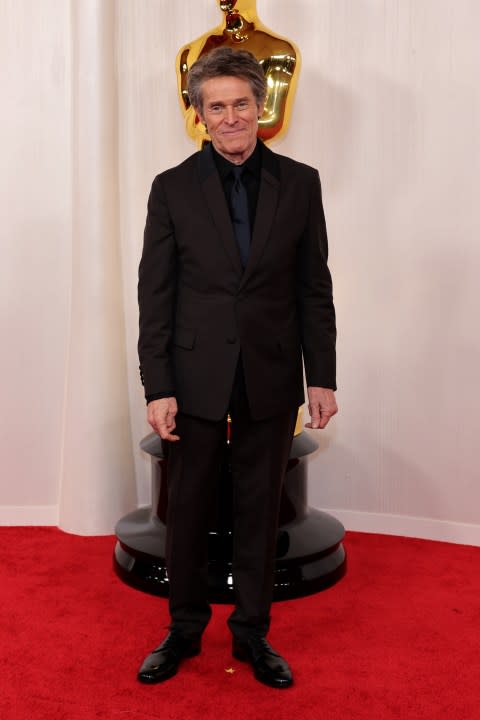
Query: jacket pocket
x,y
184,338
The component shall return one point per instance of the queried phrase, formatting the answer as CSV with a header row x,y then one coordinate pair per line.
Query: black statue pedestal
x,y
310,555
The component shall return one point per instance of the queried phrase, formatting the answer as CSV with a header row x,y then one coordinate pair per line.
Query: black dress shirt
x,y
252,168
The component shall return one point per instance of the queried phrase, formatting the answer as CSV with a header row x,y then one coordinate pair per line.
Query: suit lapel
x,y
266,209
214,197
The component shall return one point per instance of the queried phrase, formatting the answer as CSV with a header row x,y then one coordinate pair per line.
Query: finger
x,y
166,434
153,425
324,419
165,431
314,411
158,420
169,437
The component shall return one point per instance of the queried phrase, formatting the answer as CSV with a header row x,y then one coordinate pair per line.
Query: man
x,y
233,286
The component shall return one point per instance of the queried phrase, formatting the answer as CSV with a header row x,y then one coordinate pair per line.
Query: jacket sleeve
x,y
156,295
315,298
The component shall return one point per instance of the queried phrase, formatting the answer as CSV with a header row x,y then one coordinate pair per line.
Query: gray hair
x,y
221,62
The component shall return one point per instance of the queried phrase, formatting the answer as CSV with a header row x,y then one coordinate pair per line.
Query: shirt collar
x,y
253,163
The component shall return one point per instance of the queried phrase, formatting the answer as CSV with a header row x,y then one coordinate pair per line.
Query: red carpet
x,y
398,637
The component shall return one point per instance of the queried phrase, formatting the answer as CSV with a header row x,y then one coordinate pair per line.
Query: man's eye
x,y
242,105
215,108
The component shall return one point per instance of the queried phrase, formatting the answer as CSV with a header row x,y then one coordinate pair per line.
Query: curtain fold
x,y
97,482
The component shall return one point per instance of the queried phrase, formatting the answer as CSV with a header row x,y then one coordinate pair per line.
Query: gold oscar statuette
x,y
242,29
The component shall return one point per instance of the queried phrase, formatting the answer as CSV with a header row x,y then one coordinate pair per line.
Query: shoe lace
x,y
260,645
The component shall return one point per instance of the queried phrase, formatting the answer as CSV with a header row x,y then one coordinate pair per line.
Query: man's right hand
x,y
161,416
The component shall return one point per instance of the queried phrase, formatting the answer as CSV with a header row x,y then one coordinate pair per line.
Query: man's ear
x,y
260,109
200,116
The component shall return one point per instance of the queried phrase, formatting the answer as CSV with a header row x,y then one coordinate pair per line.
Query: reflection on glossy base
x,y
310,554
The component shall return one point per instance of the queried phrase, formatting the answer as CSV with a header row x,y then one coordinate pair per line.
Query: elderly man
x,y
233,288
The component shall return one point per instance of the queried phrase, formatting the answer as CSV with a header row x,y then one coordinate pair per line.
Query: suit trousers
x,y
259,455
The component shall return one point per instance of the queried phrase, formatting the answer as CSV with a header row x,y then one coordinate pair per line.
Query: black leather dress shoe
x,y
268,666
163,662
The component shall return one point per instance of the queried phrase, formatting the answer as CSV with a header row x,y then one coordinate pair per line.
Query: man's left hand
x,y
321,406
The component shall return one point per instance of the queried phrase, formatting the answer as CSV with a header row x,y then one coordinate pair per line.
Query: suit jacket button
x,y
231,339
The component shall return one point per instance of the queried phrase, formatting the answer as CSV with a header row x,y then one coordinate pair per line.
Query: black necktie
x,y
240,216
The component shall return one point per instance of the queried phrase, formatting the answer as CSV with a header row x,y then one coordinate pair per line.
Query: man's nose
x,y
230,115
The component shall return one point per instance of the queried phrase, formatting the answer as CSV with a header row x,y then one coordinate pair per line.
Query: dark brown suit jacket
x,y
199,308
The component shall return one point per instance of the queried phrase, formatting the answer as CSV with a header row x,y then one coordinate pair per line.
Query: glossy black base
x,y
304,574
310,556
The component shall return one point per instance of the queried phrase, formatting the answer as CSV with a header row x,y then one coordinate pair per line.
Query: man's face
x,y
230,113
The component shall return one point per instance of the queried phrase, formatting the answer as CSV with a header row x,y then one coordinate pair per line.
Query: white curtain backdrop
x,y
96,479
387,108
